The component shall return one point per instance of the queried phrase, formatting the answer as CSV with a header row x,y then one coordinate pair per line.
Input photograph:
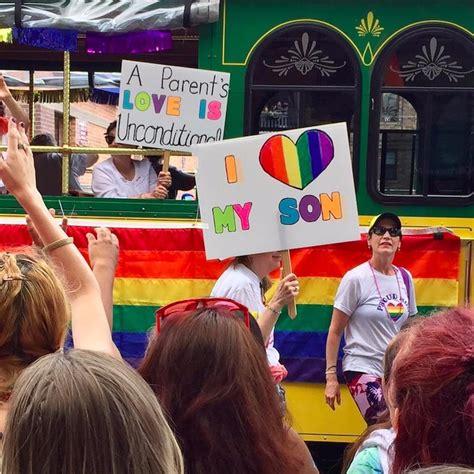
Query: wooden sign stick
x,y
285,255
166,161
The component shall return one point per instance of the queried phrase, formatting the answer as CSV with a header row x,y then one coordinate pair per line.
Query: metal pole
x,y
31,105
66,111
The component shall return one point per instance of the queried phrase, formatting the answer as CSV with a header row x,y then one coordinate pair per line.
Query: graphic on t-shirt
x,y
392,305
395,311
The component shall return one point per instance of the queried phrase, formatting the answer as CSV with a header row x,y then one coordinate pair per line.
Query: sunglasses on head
x,y
392,231
109,139
193,304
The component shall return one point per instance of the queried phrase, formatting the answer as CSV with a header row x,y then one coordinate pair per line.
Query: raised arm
x,y
89,322
14,107
103,255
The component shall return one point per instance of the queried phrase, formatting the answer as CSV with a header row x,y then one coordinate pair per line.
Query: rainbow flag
x,y
161,265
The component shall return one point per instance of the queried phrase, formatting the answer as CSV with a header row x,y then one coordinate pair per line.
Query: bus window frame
x,y
376,90
356,88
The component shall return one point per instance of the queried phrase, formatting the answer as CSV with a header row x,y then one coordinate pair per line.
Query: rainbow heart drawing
x,y
297,165
395,311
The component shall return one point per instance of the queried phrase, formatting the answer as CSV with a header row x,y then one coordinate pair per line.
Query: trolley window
x,y
422,120
301,76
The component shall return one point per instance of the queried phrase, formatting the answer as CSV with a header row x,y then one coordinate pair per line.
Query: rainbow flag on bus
x,y
162,264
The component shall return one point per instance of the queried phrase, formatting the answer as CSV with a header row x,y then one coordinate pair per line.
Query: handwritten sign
x,y
171,107
277,191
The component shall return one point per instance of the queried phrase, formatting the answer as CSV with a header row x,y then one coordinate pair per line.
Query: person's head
x,y
385,234
43,139
109,134
34,314
48,166
86,412
431,392
261,263
212,378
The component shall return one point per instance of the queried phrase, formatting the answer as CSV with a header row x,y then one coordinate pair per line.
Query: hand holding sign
x,y
286,259
285,293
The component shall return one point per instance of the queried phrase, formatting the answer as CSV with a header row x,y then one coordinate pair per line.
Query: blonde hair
x,y
86,412
34,314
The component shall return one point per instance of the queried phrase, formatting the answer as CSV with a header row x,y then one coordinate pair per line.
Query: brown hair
x,y
34,314
212,378
86,412
110,127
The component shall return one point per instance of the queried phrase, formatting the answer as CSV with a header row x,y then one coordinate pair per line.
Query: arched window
x,y
301,76
422,119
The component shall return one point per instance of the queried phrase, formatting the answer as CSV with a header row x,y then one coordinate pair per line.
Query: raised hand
x,y
17,170
4,91
103,255
34,233
16,110
103,250
287,289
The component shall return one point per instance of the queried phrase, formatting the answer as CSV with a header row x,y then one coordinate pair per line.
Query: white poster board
x,y
277,191
170,107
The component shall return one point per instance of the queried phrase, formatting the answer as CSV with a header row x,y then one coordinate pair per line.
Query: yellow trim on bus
x,y
315,421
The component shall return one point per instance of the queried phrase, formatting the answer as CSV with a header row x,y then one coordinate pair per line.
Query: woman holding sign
x,y
121,177
246,281
372,303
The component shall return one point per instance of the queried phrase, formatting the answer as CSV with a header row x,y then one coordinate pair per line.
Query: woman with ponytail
x,y
34,308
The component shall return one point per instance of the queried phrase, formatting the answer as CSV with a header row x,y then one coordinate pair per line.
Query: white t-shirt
x,y
242,285
374,320
108,182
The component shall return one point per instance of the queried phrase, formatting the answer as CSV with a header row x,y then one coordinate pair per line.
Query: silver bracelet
x,y
274,311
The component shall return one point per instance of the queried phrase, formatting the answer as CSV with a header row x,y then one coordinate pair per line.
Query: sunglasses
x,y
109,139
392,231
193,304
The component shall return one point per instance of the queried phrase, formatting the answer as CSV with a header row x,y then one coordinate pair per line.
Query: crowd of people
x,y
207,397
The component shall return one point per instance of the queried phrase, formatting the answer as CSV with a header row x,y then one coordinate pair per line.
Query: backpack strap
x,y
406,280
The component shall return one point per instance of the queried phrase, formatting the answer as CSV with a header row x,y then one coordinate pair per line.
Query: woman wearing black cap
x,y
373,301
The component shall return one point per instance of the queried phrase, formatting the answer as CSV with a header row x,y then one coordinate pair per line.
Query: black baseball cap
x,y
385,215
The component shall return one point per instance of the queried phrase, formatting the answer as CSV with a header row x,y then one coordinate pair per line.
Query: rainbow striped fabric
x,y
297,164
161,265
